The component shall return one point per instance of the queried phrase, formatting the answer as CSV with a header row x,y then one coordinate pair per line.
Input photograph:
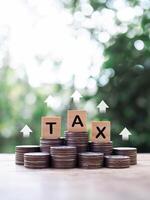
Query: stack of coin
x,y
90,160
63,157
127,151
77,139
22,149
105,148
37,160
117,161
45,144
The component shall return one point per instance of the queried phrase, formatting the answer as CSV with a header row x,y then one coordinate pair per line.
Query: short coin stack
x,y
77,139
127,151
22,149
90,160
105,148
45,144
38,160
63,157
117,161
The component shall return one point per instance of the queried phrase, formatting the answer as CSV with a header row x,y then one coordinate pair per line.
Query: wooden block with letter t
x,y
50,127
101,131
76,120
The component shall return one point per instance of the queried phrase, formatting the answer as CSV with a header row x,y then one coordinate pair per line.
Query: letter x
x,y
100,132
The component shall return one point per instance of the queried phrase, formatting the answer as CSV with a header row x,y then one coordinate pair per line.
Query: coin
x,y
77,139
90,160
105,148
22,149
63,156
37,160
127,151
117,161
45,144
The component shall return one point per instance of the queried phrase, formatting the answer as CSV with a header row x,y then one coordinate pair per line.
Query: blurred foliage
x,y
127,91
16,109
22,104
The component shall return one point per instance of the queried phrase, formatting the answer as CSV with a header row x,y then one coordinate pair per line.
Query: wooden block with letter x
x,y
51,127
101,131
76,120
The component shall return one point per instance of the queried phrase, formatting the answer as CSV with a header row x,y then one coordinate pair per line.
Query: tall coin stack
x,y
63,157
127,151
77,139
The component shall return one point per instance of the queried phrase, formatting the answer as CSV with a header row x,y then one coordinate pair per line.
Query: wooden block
x,y
101,131
76,120
50,127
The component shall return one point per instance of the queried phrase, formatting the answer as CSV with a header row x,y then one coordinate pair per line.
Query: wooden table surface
x,y
18,183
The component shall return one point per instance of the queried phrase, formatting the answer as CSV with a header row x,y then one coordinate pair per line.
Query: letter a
x,y
77,120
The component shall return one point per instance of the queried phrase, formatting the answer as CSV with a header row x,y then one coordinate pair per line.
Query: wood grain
x,y
45,128
109,184
96,127
75,116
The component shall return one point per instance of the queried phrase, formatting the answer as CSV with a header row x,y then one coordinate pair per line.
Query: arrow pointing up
x,y
102,106
26,131
49,101
125,133
76,96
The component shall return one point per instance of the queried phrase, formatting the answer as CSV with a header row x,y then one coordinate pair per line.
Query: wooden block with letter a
x,y
101,131
50,127
76,120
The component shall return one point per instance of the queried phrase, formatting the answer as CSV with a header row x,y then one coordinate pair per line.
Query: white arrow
x,y
102,106
26,131
50,101
76,96
125,133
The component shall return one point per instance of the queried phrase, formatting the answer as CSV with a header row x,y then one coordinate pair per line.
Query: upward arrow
x,y
26,131
49,101
102,106
125,133
76,96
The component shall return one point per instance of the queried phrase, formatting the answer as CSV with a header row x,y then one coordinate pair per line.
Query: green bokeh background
x,y
127,91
